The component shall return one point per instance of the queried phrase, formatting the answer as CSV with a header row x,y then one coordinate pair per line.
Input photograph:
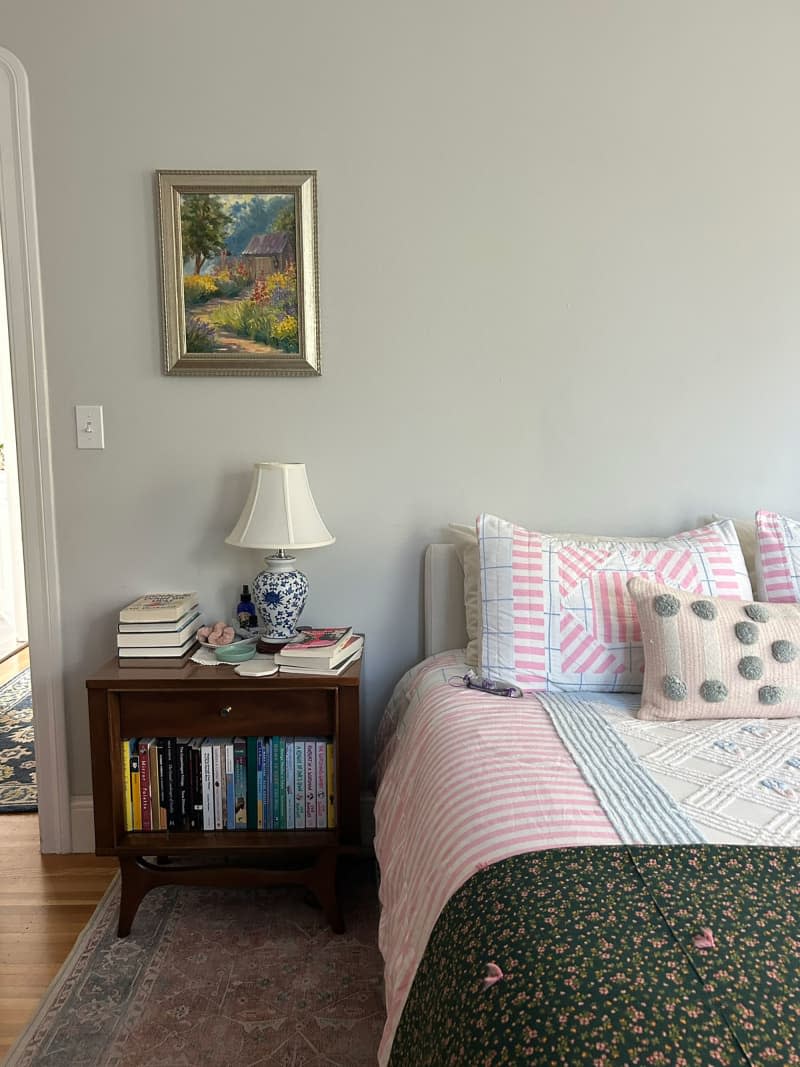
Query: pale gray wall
x,y
560,281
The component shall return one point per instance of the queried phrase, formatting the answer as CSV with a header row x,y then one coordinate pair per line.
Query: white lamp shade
x,y
280,511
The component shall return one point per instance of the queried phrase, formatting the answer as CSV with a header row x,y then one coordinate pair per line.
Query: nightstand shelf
x,y
216,702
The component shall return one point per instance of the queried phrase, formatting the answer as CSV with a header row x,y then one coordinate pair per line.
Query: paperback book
x,y
158,607
325,659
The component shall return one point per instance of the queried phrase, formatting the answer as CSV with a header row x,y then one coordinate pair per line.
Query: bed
x,y
564,882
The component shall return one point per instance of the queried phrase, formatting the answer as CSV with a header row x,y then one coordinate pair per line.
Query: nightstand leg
x,y
135,884
323,885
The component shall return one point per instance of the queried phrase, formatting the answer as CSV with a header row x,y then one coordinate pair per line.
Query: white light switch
x,y
89,425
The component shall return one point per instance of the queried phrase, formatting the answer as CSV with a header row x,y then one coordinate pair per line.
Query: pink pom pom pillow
x,y
710,658
556,612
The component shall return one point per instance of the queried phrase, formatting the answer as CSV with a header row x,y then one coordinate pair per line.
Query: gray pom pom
x,y
751,667
704,609
757,612
666,604
713,691
674,688
770,694
746,632
784,651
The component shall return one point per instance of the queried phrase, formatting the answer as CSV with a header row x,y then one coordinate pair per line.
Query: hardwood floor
x,y
45,901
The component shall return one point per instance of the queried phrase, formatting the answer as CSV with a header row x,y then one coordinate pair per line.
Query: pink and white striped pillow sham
x,y
778,558
557,614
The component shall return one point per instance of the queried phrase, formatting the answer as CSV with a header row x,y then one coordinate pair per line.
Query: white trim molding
x,y
82,823
18,233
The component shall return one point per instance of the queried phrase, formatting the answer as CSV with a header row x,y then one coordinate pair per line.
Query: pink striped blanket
x,y
464,780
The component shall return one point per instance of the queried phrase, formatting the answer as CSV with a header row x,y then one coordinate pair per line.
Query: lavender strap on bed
x,y
471,680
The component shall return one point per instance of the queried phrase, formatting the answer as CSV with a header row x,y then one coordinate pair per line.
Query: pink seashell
x,y
218,634
494,975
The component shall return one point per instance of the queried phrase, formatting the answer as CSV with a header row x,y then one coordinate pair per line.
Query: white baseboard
x,y
82,822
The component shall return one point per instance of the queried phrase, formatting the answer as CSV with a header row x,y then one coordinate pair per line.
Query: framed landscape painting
x,y
239,272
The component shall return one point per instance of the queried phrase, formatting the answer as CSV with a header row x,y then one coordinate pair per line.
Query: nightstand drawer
x,y
228,712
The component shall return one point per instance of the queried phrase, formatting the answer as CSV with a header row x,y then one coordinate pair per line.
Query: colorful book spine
x,y
240,783
282,781
184,777
159,822
268,783
170,752
299,784
136,795
229,787
276,783
196,759
331,777
127,798
322,785
289,783
207,760
251,818
144,783
218,755
311,777
260,783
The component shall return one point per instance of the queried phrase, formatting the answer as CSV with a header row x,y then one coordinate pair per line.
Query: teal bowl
x,y
238,653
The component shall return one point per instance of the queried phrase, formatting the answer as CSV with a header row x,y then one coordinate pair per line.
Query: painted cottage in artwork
x,y
267,253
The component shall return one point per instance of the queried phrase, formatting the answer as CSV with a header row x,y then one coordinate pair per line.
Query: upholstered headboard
x,y
445,624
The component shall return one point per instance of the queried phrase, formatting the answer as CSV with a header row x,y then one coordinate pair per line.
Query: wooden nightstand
x,y
194,701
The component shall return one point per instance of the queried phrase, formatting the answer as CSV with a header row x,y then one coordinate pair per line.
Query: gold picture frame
x,y
240,274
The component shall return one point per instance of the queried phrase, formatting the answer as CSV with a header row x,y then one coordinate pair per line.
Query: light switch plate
x,y
89,425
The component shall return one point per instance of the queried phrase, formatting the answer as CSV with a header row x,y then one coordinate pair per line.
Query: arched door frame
x,y
18,234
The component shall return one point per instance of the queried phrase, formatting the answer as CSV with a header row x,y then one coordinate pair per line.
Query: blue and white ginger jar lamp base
x,y
279,594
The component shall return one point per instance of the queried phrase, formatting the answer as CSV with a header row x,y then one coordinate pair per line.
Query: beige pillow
x,y
466,540
709,658
746,532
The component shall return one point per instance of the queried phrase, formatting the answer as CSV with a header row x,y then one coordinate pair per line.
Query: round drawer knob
x,y
225,712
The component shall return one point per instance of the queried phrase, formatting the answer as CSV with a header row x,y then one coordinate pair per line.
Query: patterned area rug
x,y
212,978
17,756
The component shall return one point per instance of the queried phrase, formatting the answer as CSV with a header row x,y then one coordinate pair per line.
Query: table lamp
x,y
279,513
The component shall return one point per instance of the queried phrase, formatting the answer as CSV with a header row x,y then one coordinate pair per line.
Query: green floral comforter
x,y
681,956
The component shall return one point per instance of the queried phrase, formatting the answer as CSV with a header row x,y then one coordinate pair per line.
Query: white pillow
x,y
556,613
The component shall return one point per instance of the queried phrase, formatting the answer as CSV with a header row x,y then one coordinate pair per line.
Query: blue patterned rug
x,y
17,756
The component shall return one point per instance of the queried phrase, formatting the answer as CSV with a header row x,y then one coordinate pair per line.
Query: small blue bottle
x,y
246,611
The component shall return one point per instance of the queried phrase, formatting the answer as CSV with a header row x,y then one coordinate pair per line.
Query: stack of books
x,y
327,650
159,626
229,783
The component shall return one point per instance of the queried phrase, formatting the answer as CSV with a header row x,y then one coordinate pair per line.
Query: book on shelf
x,y
160,639
299,784
160,627
322,784
158,607
324,659
340,668
144,783
290,783
240,783
190,784
127,795
175,656
136,792
311,640
310,780
330,759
